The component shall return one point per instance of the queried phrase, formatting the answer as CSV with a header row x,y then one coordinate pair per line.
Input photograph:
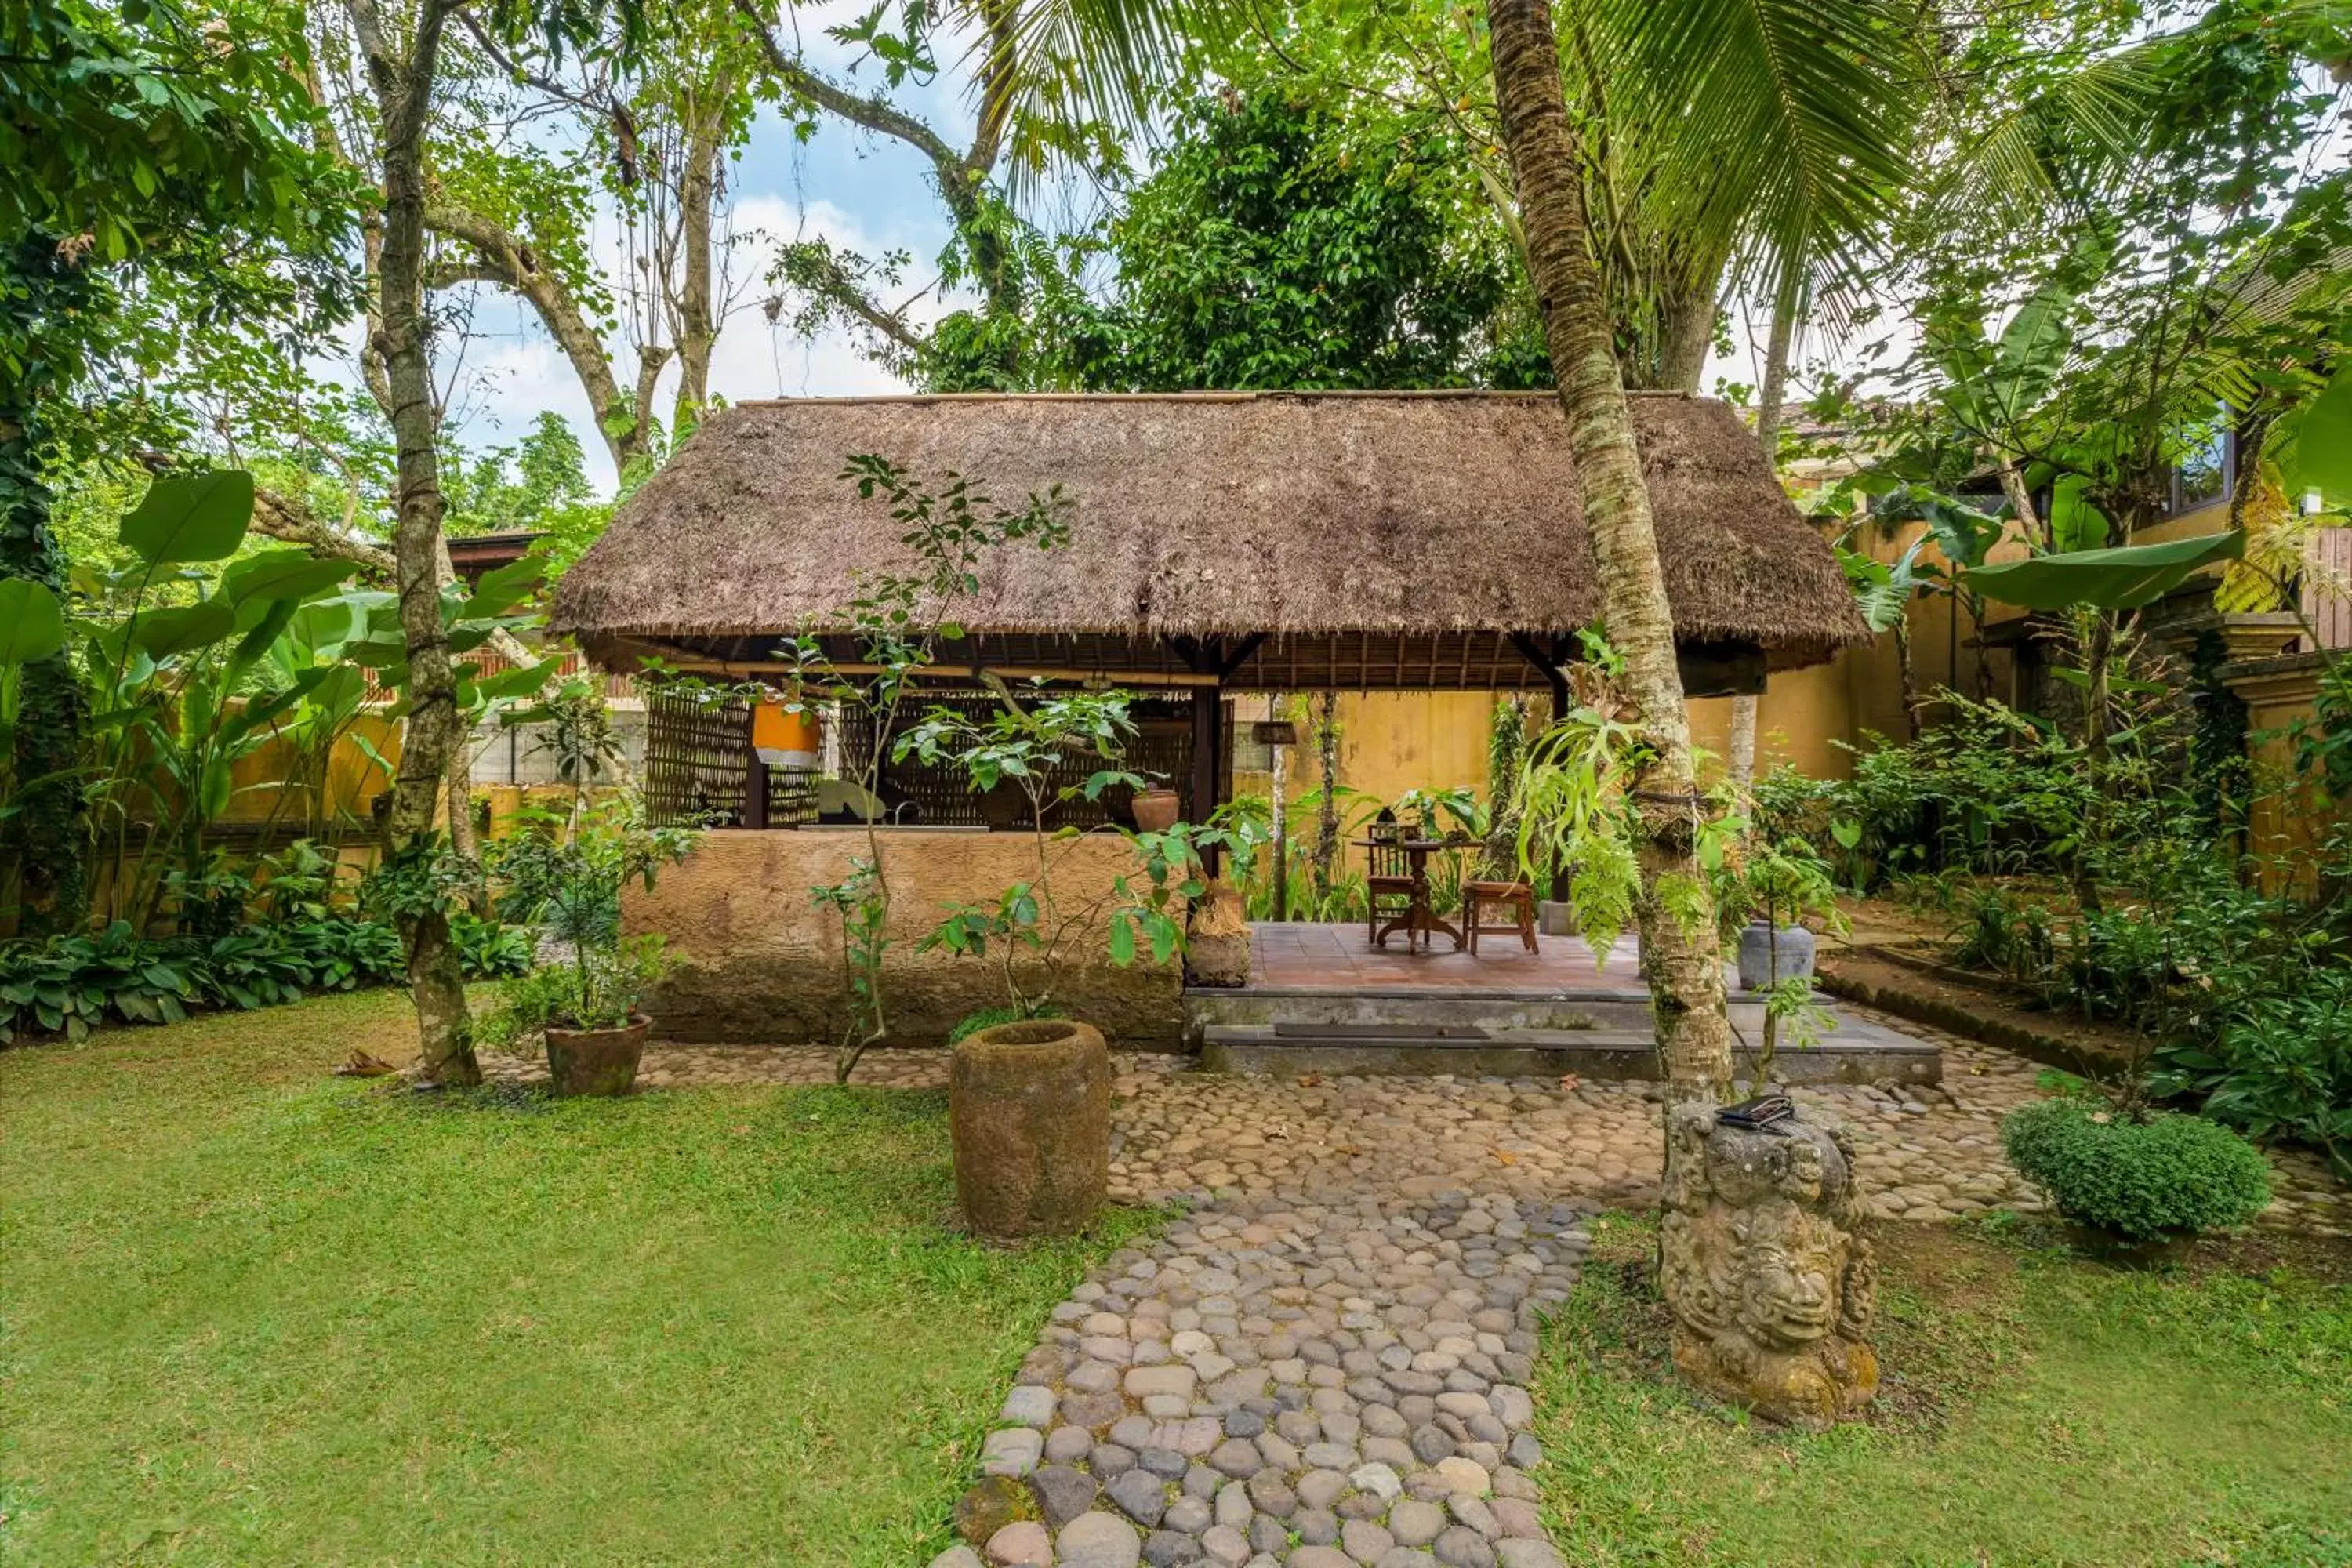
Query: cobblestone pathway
x,y
1290,1382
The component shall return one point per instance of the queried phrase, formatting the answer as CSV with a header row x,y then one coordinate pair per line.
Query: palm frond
x,y
1780,129
2058,145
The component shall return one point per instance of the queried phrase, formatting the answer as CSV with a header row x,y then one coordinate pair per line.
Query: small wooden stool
x,y
1518,896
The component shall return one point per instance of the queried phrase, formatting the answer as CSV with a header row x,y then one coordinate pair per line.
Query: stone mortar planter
x,y
596,1061
1029,1111
1758,967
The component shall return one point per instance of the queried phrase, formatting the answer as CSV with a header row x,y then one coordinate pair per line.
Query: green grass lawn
x,y
2038,1409
252,1314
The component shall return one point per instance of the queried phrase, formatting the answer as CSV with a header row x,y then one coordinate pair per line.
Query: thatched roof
x,y
1365,516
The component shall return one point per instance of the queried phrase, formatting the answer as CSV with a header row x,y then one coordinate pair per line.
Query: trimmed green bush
x,y
2145,1180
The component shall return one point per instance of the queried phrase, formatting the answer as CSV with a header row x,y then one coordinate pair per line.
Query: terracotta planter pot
x,y
596,1061
1029,1111
1156,810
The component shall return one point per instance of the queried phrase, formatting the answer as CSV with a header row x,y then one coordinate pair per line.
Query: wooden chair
x,y
1516,897
1388,882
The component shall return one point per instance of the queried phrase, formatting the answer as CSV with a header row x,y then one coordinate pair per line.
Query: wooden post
x,y
755,779
1208,742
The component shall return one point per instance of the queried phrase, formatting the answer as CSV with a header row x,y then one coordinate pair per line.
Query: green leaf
x,y
502,590
189,517
2076,524
2121,579
163,633
2323,446
32,623
1122,940
281,574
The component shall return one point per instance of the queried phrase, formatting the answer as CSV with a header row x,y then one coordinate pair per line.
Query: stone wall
x,y
757,962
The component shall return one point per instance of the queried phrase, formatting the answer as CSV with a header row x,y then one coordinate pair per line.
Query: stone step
x,y
1853,1053
1436,1007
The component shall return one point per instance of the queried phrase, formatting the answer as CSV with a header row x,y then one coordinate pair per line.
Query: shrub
x,y
486,949
2146,1181
70,984
2280,1065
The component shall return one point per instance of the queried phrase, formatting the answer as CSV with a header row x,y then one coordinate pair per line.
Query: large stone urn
x,y
1770,1288
1767,957
1029,1111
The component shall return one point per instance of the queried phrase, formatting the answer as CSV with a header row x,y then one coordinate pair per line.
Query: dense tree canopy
x,y
1284,240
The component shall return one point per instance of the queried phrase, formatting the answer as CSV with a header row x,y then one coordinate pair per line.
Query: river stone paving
x,y
1923,1153
1294,1379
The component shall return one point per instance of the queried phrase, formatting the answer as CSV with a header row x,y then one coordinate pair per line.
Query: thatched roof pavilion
x,y
1220,541
1351,540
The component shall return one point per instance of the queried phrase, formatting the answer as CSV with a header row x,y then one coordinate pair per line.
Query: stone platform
x,y
1321,999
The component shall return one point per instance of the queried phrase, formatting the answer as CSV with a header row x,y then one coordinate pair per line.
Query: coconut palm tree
x,y
1679,951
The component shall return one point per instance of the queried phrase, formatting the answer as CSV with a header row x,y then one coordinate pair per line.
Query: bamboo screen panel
x,y
941,796
696,755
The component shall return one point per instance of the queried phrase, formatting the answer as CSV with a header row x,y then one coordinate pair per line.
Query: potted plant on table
x,y
1029,1098
565,872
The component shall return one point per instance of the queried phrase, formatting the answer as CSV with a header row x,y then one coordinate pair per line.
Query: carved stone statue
x,y
1770,1288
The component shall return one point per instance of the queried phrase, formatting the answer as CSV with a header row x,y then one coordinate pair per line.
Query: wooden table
x,y
1418,919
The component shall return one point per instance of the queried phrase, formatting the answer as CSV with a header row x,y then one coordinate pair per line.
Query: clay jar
x,y
1156,810
596,1061
1029,1111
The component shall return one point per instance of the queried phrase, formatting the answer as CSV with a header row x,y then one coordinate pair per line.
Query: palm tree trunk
x,y
435,729
1684,968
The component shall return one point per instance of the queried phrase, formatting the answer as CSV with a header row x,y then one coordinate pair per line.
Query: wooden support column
x,y
755,778
1205,791
1208,761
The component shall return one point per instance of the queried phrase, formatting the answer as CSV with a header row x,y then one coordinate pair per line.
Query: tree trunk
x,y
2095,633
1685,968
1327,811
1688,322
435,729
1775,389
1278,906
697,330
2020,501
1741,762
44,838
1907,675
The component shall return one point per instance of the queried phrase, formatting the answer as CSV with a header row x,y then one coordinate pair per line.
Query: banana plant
x,y
32,628
187,654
